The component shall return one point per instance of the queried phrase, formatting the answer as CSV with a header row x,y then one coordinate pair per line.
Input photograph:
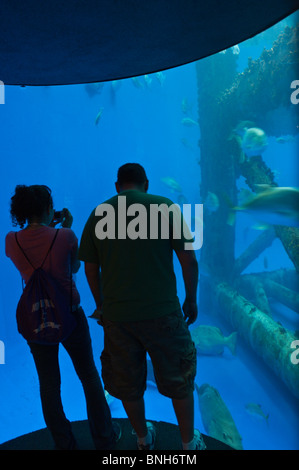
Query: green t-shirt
x,y
138,278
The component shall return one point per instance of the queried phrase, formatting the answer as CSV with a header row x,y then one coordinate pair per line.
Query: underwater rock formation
x,y
264,86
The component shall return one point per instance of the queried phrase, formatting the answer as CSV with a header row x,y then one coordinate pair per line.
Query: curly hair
x,y
29,202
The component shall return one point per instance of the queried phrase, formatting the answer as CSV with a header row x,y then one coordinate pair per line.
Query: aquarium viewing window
x,y
217,135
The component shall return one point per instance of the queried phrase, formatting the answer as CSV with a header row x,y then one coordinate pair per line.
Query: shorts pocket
x,y
188,366
170,323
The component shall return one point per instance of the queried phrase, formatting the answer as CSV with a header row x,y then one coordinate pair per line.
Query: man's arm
x,y
93,276
189,266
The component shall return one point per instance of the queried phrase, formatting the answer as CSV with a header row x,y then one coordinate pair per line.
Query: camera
x,y
57,216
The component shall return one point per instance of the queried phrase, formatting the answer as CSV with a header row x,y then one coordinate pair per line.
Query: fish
x,y
255,410
93,89
148,80
284,139
187,144
186,106
212,202
237,134
234,49
115,85
242,127
210,341
99,115
273,205
137,83
172,184
160,76
244,195
254,142
216,417
189,122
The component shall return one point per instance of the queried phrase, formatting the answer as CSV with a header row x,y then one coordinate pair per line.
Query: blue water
x,y
49,136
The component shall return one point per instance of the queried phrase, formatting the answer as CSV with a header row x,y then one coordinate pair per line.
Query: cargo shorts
x,y
168,342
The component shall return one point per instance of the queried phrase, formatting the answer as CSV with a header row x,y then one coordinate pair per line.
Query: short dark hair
x,y
131,173
29,202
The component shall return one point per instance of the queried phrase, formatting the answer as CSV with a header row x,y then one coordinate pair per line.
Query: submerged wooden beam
x,y
289,237
267,338
258,287
286,277
252,288
262,242
283,294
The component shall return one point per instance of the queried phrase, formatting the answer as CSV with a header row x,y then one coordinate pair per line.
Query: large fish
x,y
210,341
172,184
273,205
216,418
254,142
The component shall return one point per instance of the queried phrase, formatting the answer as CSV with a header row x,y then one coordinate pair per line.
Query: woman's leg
x,y
79,347
47,366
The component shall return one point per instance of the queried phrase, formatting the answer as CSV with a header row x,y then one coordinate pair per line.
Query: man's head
x,y
131,176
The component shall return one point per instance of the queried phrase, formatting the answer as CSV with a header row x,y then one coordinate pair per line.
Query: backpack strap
x,y
23,251
53,241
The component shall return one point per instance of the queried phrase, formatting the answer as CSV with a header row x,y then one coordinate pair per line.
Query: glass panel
x,y
213,133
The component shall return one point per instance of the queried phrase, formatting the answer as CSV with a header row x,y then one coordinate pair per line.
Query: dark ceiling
x,y
79,41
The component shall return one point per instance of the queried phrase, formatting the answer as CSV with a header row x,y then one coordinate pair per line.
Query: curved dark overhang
x,y
80,41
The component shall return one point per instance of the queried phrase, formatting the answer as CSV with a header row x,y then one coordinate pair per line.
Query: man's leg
x,y
136,413
184,410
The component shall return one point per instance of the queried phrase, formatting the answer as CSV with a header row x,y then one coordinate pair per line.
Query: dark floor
x,y
168,438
